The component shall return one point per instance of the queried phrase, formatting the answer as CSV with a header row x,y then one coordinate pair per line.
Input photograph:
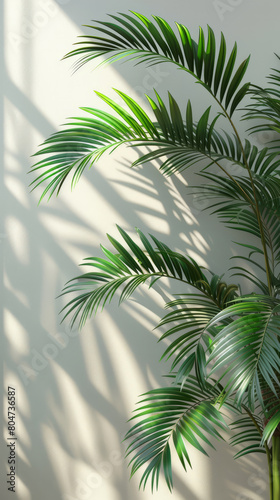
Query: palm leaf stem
x,y
170,276
263,336
270,243
256,208
275,478
243,193
251,180
156,275
267,450
182,422
188,410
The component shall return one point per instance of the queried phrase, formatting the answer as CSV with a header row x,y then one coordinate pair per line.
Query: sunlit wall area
x,y
74,391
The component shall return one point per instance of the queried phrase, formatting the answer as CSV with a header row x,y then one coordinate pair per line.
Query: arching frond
x,y
128,269
273,421
137,38
248,431
235,212
85,140
265,105
247,349
182,416
187,324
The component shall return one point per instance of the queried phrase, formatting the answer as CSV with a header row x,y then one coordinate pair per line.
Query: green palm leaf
x,y
248,430
247,349
232,207
265,105
273,422
137,38
185,416
130,268
189,318
86,139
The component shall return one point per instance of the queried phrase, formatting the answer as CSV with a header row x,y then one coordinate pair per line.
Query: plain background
x,y
75,391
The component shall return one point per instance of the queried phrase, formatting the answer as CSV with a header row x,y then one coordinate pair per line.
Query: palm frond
x,y
186,416
265,106
137,38
247,349
127,270
273,422
189,318
86,139
247,434
229,204
271,412
255,277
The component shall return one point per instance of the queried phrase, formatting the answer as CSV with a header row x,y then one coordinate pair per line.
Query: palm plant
x,y
224,345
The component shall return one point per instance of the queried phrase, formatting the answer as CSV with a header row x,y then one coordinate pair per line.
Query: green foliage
x,y
131,269
224,345
184,415
247,433
265,105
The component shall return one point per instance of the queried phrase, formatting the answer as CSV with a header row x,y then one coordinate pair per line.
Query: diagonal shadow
x,y
75,404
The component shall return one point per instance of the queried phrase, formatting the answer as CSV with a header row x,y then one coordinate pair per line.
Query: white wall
x,y
72,409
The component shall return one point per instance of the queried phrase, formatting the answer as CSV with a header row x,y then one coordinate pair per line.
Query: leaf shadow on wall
x,y
77,391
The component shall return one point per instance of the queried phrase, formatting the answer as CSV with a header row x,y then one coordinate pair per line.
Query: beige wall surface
x,y
75,391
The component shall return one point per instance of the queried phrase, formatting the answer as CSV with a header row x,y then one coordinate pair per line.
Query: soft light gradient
x,y
75,392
